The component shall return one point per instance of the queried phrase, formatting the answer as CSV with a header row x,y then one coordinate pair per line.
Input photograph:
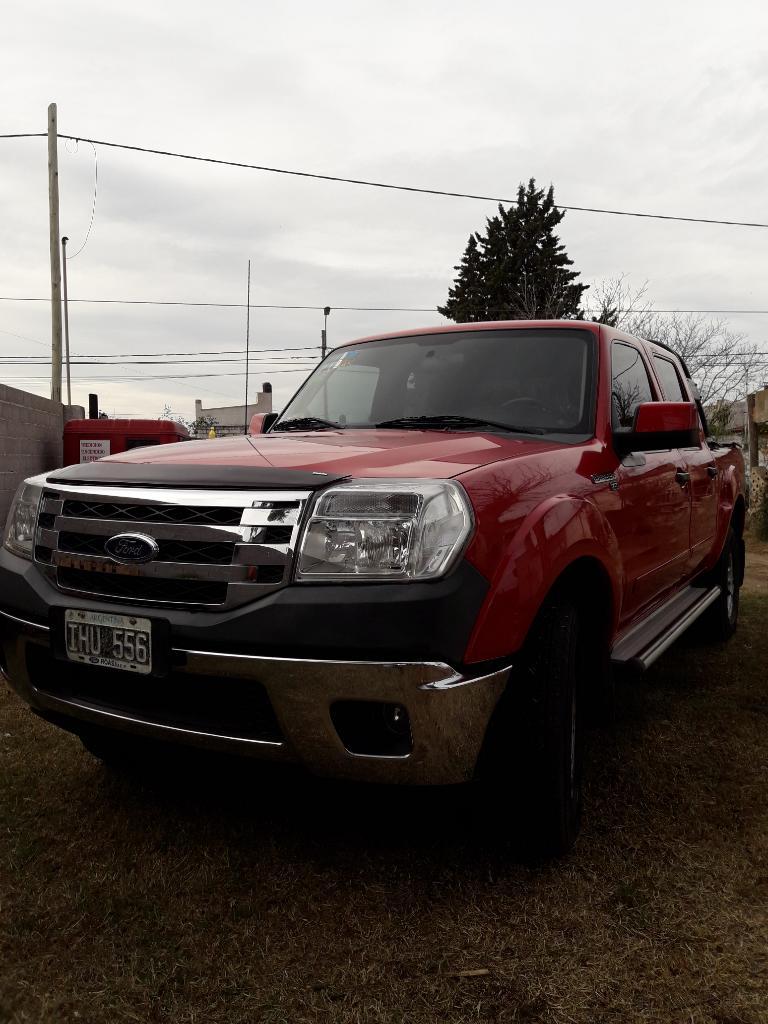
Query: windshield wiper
x,y
446,422
306,423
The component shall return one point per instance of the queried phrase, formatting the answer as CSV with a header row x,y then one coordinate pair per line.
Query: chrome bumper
x,y
448,712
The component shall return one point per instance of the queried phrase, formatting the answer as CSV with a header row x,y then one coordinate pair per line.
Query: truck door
x,y
701,467
651,518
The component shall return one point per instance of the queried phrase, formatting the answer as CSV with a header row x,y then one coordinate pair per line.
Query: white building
x,y
232,419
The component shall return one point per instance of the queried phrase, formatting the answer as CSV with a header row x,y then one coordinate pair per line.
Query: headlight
x,y
22,518
385,530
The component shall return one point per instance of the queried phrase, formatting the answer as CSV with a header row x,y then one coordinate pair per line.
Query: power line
x,y
169,302
93,207
353,309
154,358
735,360
176,377
262,355
25,337
388,185
16,361
405,188
206,352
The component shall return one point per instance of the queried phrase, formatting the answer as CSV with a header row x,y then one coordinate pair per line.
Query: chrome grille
x,y
217,549
201,551
151,513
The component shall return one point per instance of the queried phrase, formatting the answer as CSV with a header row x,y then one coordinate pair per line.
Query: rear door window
x,y
671,384
630,384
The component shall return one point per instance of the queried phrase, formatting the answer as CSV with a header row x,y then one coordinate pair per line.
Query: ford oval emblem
x,y
132,548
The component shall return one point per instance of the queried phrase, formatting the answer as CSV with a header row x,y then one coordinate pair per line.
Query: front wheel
x,y
534,755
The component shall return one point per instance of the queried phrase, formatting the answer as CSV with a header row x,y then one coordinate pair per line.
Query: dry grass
x,y
234,896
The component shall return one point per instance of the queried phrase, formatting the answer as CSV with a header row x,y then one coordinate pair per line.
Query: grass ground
x,y
227,897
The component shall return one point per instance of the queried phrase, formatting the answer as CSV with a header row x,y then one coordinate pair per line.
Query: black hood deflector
x,y
233,478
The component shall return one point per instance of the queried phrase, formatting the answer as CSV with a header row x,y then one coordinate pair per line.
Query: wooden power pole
x,y
754,457
53,221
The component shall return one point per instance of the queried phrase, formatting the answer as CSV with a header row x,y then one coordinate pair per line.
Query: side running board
x,y
648,640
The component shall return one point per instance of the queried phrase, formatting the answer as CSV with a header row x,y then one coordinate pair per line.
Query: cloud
x,y
662,113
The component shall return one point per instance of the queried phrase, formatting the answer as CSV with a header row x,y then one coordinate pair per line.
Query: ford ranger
x,y
422,571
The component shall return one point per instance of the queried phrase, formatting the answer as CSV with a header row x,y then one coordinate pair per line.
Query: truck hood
x,y
358,453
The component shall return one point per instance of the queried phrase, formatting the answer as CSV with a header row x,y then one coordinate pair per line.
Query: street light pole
x,y
66,317
324,333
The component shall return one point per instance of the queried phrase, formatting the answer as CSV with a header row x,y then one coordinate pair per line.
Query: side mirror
x,y
658,426
261,422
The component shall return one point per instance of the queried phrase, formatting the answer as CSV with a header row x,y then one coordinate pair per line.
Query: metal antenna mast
x,y
247,344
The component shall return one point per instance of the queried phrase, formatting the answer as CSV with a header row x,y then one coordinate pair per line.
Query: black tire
x,y
535,747
719,621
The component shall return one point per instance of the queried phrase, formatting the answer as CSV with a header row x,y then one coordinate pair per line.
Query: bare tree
x,y
722,362
720,417
617,304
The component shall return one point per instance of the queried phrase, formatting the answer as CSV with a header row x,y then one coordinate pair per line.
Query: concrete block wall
x,y
758,480
30,439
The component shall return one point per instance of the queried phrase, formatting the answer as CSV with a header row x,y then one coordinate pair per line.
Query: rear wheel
x,y
534,755
719,621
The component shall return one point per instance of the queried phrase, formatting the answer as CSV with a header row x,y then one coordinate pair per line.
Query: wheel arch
x,y
739,516
564,541
585,575
588,575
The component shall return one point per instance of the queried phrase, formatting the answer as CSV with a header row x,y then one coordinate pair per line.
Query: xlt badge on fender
x,y
132,548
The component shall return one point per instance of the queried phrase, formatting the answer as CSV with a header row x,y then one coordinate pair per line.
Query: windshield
x,y
538,381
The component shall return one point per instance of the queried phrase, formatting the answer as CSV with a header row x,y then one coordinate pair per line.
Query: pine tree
x,y
469,290
519,268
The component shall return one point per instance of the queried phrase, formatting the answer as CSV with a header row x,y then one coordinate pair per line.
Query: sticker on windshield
x,y
346,359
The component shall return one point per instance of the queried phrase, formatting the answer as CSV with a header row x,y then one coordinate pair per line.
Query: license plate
x,y
110,641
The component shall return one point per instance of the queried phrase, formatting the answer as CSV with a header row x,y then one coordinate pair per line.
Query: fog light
x,y
373,728
396,719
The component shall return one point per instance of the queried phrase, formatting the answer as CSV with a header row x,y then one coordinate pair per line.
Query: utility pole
x,y
752,448
66,318
53,224
247,344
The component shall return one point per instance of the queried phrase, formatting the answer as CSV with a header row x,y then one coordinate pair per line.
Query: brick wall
x,y
30,439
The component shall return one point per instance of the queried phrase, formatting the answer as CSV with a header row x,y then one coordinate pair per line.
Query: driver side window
x,y
630,384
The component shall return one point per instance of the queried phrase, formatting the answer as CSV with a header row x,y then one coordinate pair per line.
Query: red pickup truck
x,y
419,572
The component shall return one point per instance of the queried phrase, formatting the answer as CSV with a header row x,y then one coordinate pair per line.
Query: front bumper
x,y
449,712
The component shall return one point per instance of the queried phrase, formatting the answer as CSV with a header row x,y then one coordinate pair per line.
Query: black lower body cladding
x,y
356,681
370,621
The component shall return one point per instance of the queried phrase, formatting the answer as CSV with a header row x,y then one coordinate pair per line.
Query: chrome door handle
x,y
682,477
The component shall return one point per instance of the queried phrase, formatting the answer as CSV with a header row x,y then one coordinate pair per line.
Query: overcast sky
x,y
659,109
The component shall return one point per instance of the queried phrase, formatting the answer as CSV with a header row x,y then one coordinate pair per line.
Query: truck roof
x,y
493,325
517,325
